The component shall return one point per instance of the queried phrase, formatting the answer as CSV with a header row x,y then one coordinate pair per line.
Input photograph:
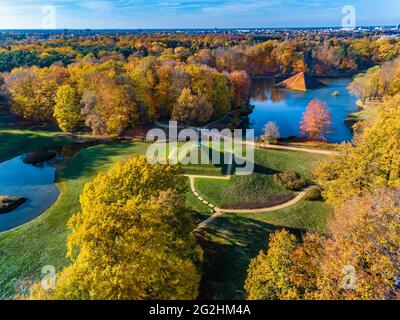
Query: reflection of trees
x,y
265,89
260,89
277,95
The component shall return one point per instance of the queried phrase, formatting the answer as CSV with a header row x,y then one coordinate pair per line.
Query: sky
x,y
148,14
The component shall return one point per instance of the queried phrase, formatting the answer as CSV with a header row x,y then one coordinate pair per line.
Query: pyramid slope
x,y
300,82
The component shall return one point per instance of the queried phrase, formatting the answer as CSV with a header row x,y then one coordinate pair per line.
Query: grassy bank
x,y
258,190
366,112
17,139
231,241
25,250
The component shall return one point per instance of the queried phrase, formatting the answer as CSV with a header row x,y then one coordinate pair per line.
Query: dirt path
x,y
279,147
218,212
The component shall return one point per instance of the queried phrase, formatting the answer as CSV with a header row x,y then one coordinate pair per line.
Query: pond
x,y
35,182
286,107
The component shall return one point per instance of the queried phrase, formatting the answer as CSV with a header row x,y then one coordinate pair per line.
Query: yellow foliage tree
x,y
132,239
372,161
268,274
67,110
361,258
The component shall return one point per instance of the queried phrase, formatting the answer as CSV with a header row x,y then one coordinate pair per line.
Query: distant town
x,y
9,36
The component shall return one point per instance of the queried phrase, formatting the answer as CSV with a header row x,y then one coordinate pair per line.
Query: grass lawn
x,y
258,190
16,140
231,241
25,250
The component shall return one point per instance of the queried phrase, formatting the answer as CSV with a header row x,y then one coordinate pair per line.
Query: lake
x,y
35,182
286,107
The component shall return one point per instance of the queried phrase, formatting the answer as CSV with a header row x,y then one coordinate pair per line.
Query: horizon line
x,y
197,28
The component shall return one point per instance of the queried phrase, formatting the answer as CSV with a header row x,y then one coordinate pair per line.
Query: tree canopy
x,y
132,239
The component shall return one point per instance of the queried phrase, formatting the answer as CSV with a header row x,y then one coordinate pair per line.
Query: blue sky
x,y
17,14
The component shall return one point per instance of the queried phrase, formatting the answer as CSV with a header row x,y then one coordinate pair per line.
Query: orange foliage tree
x,y
316,120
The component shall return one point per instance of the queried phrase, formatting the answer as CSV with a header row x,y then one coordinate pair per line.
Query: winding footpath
x,y
218,212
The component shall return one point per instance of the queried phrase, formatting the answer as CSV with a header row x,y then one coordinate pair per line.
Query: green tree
x,y
67,110
220,96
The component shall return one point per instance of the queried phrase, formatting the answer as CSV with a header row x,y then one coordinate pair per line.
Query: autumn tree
x,y
305,265
191,108
171,81
240,84
67,110
373,160
378,82
33,91
115,99
142,73
92,116
271,132
364,244
132,239
268,275
316,120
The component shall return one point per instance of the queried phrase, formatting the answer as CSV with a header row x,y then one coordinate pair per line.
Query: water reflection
x,y
286,107
35,181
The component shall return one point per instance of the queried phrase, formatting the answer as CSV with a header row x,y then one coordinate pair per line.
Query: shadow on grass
x,y
87,163
227,169
229,244
14,144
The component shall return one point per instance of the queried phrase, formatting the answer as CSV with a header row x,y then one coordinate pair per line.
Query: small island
x,y
8,204
38,157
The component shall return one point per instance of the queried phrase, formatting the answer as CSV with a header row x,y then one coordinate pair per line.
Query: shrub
x,y
290,180
314,194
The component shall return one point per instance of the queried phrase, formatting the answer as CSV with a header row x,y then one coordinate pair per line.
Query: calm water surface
x,y
286,107
35,182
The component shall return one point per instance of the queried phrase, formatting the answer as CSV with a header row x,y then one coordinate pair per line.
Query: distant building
x,y
300,82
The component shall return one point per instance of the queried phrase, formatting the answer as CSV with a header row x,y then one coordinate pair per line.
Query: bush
x,y
314,194
290,180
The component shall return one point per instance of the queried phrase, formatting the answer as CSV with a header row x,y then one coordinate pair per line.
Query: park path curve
x,y
218,212
280,147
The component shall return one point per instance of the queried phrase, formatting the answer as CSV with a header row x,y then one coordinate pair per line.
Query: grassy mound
x,y
259,190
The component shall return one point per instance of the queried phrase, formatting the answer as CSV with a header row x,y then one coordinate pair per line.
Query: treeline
x,y
358,257
321,55
111,95
378,82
